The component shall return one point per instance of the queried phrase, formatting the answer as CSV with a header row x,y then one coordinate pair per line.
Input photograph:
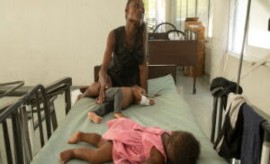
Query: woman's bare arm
x,y
144,67
104,79
144,76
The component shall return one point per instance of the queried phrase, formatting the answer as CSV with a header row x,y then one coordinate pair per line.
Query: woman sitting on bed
x,y
118,98
128,142
124,58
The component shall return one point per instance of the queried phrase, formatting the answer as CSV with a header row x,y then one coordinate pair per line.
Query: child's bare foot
x,y
118,115
151,102
66,155
94,117
75,138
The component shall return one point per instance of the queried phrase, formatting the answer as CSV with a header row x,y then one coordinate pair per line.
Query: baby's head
x,y
182,147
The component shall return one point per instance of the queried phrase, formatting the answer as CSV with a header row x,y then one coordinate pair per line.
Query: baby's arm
x,y
146,101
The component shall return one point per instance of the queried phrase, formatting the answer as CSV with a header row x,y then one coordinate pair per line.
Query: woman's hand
x,y
101,96
105,83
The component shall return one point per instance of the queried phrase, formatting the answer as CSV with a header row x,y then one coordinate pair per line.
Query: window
x,y
175,12
257,35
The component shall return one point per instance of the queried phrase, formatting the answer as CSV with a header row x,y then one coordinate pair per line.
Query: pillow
x,y
161,85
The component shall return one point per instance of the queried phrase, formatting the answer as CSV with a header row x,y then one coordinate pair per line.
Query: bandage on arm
x,y
144,100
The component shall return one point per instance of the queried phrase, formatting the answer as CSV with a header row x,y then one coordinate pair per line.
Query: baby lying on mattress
x,y
117,99
126,141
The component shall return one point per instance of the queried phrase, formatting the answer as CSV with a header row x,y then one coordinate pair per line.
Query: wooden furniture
x,y
154,71
176,52
194,25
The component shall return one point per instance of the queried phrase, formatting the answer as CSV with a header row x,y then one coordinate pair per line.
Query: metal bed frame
x,y
33,112
218,118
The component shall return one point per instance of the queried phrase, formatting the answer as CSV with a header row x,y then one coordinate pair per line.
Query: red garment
x,y
132,142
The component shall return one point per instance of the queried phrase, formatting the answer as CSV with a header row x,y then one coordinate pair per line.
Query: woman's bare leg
x,y
99,155
91,91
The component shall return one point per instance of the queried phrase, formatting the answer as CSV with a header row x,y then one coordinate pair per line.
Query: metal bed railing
x,y
14,120
219,103
15,85
26,125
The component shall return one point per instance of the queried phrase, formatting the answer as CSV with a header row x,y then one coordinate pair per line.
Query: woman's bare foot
x,y
94,117
66,155
75,138
79,97
83,89
119,115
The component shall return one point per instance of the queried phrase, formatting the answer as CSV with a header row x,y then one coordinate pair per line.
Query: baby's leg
x,y
122,97
101,110
94,117
91,138
100,155
118,115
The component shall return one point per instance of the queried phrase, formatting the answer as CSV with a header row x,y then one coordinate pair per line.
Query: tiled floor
x,y
201,103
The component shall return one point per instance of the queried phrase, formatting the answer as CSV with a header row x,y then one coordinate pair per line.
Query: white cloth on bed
x,y
74,96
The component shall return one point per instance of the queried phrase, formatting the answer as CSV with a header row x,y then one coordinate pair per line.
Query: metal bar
x,y
266,143
17,84
220,113
53,116
47,113
180,13
243,47
196,8
42,141
214,116
194,80
7,142
18,151
68,99
186,8
208,17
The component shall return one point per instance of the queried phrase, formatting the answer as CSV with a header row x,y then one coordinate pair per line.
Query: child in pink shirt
x,y
128,142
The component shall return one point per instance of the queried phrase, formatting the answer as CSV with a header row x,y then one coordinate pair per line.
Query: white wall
x,y
256,85
44,40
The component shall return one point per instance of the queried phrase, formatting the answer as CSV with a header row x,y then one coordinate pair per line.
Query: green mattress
x,y
170,112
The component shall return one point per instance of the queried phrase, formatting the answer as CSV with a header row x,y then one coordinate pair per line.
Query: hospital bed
x,y
174,47
170,112
28,118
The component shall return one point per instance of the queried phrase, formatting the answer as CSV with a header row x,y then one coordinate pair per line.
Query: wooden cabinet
x,y
192,24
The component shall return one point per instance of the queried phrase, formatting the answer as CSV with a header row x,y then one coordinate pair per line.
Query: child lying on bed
x,y
125,141
117,99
